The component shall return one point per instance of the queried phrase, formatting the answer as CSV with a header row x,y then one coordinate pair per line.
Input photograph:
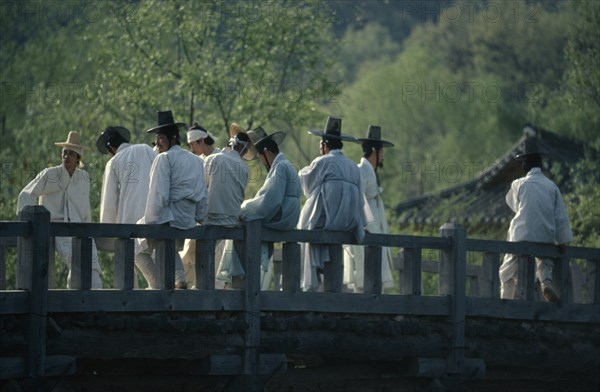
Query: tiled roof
x,y
481,200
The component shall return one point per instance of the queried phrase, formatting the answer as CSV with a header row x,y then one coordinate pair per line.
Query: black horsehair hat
x,y
531,148
108,133
166,124
258,136
374,135
333,130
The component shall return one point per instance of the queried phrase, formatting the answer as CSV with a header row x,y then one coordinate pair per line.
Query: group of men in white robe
x,y
171,186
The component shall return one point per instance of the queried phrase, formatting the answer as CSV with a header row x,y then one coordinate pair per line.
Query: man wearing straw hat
x,y
125,185
540,216
334,200
177,194
277,202
65,191
354,268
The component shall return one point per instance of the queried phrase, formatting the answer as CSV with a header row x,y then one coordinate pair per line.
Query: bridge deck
x,y
464,332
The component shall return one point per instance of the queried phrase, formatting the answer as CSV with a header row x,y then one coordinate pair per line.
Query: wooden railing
x,y
34,300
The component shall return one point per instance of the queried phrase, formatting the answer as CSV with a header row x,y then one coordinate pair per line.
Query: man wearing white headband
x,y
201,141
65,191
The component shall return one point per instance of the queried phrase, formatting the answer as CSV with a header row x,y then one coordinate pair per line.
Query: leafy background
x,y
451,83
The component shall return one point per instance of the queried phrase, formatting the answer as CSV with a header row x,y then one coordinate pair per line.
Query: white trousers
x,y
144,260
508,274
64,248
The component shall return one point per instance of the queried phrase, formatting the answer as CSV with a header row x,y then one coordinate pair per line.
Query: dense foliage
x,y
451,83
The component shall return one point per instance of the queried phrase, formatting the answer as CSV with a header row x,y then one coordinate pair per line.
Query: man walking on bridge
x,y
540,216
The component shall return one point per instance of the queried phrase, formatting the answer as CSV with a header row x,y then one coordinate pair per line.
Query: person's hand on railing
x,y
562,249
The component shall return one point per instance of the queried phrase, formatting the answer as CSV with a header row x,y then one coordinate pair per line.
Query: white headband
x,y
196,134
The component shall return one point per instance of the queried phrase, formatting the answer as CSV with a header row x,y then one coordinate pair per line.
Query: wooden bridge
x,y
462,338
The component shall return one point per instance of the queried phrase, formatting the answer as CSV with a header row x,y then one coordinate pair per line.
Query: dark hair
x,y
209,140
333,144
531,161
367,148
115,140
269,145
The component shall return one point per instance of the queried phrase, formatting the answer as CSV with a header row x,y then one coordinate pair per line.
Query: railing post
x,y
205,264
290,267
562,279
252,254
124,263
593,281
525,278
490,281
165,264
81,263
372,275
32,275
51,262
3,247
410,279
455,262
333,277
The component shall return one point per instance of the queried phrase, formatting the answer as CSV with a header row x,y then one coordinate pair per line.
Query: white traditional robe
x,y
353,254
188,254
226,177
277,202
125,192
540,216
125,184
540,213
177,194
334,201
68,200
277,205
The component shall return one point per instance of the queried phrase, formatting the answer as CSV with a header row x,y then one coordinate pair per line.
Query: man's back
x,y
226,178
177,192
331,185
125,184
540,214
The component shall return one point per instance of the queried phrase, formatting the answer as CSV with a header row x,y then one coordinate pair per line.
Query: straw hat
x,y
72,143
234,131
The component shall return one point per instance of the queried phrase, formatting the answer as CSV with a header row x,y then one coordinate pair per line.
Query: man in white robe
x,y
540,216
177,194
277,202
201,142
334,200
65,191
125,185
354,267
226,176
